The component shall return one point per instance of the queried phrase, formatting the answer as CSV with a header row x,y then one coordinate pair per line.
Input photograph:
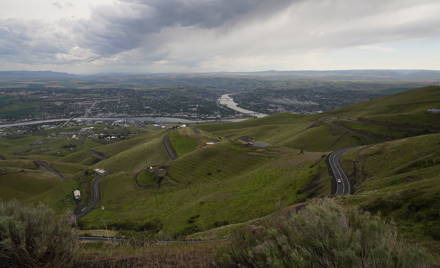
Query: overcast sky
x,y
89,36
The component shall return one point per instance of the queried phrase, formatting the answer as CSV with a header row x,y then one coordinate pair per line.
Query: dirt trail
x,y
196,130
98,155
46,165
172,155
366,135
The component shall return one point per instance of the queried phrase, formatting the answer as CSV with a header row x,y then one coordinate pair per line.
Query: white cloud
x,y
378,48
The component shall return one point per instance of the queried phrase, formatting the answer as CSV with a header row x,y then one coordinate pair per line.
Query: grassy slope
x,y
273,129
23,183
232,183
374,121
324,138
185,141
245,183
115,148
20,178
405,111
150,152
58,197
400,179
294,131
413,101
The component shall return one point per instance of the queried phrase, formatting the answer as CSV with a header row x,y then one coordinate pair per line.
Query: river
x,y
225,100
158,120
229,102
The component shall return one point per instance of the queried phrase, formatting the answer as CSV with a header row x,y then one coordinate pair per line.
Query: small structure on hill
x,y
77,194
99,171
246,140
434,111
86,129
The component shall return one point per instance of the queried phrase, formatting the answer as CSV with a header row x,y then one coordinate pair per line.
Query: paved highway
x,y
96,196
101,238
341,180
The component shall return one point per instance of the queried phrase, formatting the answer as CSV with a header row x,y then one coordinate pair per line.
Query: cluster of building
x,y
172,127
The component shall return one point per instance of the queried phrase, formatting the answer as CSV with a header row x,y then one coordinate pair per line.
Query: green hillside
x,y
412,101
185,140
19,183
400,180
150,152
222,184
406,112
219,181
378,120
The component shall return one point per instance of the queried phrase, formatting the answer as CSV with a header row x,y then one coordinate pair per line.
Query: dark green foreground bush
x,y
324,234
34,237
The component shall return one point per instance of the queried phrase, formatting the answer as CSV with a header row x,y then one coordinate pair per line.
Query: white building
x,y
77,195
86,129
99,171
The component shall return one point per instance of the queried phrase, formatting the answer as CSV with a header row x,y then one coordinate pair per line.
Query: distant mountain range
x,y
30,75
347,75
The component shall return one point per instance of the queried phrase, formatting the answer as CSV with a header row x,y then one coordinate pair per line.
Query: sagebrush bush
x,y
34,237
324,234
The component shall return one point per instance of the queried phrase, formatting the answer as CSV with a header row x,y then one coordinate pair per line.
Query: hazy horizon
x,y
223,72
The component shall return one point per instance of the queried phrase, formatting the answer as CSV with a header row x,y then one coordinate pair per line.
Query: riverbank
x,y
229,102
151,120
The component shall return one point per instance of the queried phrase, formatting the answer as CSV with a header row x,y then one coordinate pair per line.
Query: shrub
x,y
34,237
193,219
187,231
220,224
153,226
323,234
125,225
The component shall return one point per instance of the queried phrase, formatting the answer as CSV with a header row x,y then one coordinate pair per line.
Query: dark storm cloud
x,y
200,35
112,31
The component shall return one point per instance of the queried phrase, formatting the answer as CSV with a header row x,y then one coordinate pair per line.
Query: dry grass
x,y
168,255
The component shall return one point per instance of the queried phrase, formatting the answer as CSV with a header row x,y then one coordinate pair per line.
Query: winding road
x,y
96,196
340,179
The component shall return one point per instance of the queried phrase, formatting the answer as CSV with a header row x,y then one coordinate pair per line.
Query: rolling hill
x,y
219,179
